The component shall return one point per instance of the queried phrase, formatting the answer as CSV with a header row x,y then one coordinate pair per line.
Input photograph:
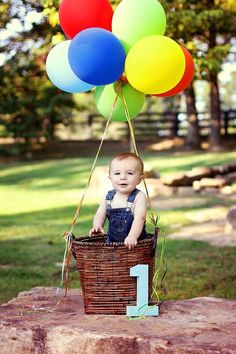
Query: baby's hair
x,y
128,155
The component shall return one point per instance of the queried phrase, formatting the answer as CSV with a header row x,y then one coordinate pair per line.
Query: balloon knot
x,y
123,80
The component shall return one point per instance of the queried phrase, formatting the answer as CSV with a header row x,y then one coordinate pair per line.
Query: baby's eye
x,y
130,173
116,173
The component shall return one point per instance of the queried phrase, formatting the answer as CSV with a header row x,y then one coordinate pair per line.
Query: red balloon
x,y
186,78
77,15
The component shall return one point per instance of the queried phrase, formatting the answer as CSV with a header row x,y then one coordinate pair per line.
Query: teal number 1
x,y
141,272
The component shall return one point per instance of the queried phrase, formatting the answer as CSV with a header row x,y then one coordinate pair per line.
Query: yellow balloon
x,y
155,64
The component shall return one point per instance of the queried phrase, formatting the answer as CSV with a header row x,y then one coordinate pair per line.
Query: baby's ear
x,y
109,176
140,178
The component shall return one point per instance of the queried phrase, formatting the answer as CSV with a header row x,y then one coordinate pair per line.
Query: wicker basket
x,y
105,272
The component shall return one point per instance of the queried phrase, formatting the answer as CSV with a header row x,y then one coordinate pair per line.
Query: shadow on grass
x,y
32,250
31,262
60,217
68,173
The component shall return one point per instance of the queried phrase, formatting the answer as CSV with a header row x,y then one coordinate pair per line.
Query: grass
x,y
38,202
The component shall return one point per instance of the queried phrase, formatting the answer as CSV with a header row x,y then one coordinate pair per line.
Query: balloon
x,y
105,97
155,64
96,56
59,71
133,20
77,15
186,78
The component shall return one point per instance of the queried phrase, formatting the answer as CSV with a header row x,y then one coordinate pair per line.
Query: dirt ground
x,y
210,224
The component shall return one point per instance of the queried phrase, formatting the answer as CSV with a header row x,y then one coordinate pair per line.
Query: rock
x,y
230,177
225,168
231,221
203,177
186,178
231,217
199,325
199,172
151,174
228,190
176,179
209,183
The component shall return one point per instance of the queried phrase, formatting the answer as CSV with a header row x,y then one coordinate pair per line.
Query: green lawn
x,y
38,202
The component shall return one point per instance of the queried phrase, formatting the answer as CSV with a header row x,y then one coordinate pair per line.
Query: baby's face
x,y
125,175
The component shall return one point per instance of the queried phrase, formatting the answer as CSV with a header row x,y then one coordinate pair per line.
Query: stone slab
x,y
199,325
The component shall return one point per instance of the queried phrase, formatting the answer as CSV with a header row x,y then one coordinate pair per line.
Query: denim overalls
x,y
121,219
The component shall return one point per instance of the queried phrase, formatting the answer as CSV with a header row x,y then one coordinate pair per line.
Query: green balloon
x,y
105,97
136,19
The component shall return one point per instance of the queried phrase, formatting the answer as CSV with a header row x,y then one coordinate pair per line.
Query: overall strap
x,y
109,197
132,196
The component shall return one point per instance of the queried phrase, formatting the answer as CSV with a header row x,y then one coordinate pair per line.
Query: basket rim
x,y
101,241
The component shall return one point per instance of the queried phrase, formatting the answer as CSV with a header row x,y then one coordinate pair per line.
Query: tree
x,y
31,106
206,28
193,134
178,19
216,26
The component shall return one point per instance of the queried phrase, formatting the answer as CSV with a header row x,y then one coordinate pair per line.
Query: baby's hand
x,y
96,231
130,242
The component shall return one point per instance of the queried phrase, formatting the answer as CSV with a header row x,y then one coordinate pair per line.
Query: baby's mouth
x,y
123,184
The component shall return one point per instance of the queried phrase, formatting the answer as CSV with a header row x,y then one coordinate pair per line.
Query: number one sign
x,y
141,272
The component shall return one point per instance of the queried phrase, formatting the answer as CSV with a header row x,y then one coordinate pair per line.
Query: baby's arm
x,y
99,219
140,211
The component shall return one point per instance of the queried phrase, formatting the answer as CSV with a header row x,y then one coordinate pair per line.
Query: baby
x,y
125,206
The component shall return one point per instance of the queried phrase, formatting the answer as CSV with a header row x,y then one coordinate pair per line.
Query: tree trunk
x,y
51,126
215,110
215,114
193,136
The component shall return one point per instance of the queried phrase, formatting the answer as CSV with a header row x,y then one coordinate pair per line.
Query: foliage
x,y
206,28
31,106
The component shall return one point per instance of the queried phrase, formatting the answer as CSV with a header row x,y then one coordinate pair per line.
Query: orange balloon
x,y
186,78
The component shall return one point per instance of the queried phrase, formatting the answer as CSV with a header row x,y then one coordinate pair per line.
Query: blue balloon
x,y
96,56
60,73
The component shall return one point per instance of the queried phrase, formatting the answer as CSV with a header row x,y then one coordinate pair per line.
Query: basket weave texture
x,y
104,272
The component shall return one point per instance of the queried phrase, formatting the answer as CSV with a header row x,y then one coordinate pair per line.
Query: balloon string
x,y
94,162
153,217
157,273
67,266
69,235
135,148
